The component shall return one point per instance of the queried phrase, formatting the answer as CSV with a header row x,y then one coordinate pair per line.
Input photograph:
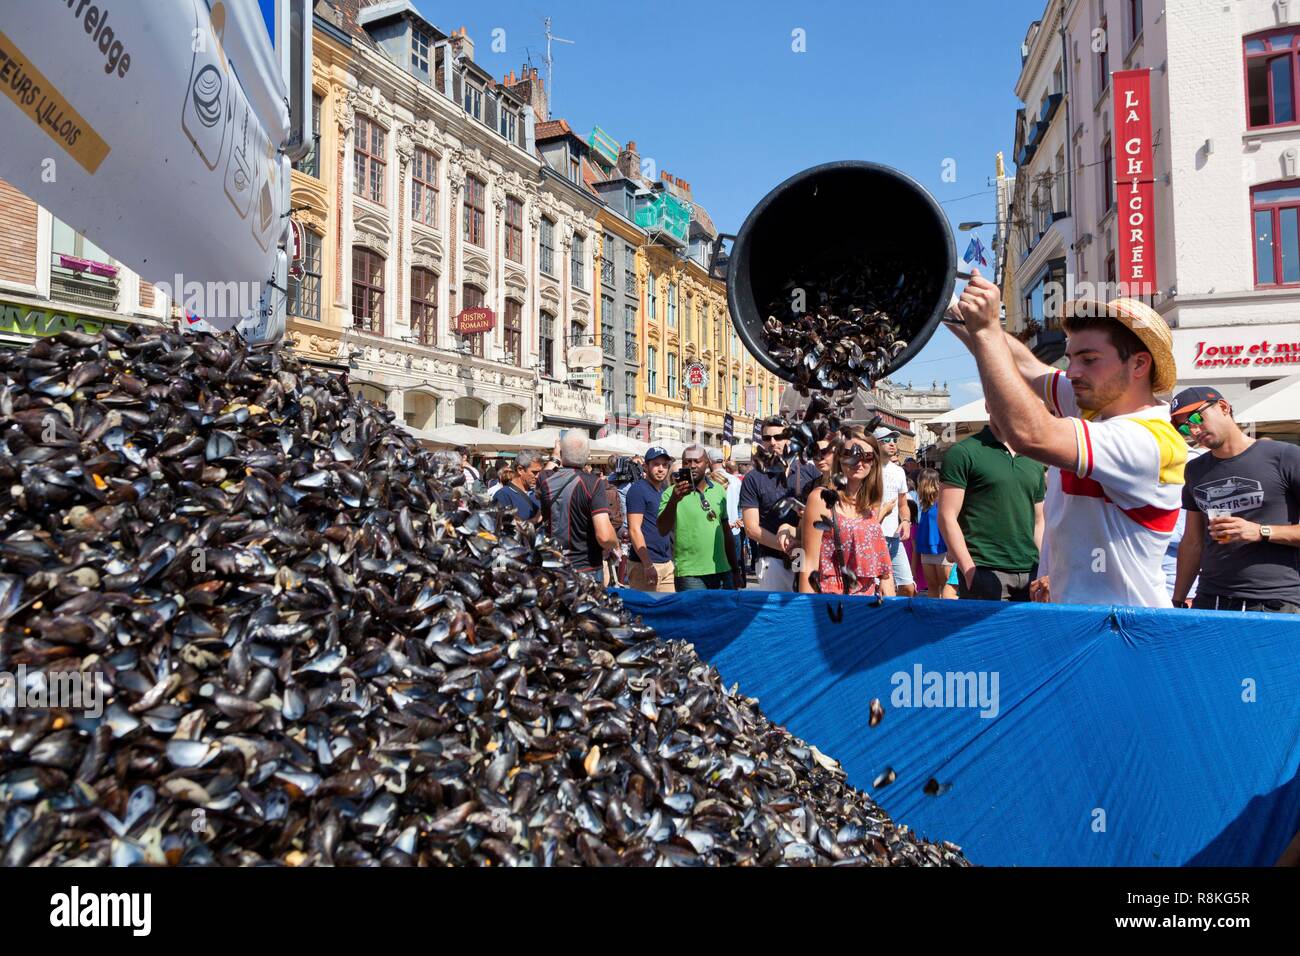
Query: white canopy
x,y
619,445
477,439
537,438
970,412
1276,402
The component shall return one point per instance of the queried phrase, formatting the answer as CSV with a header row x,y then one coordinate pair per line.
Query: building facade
x,y
1226,188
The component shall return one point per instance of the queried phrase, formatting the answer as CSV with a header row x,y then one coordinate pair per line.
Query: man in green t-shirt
x,y
991,516
694,512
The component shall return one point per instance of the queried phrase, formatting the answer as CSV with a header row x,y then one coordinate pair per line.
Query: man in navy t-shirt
x,y
518,494
652,569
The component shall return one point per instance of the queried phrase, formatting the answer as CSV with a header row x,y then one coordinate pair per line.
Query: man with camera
x,y
694,511
771,506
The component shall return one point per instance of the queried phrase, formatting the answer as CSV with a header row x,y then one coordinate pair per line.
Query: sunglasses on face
x,y
774,436
852,455
1185,428
824,450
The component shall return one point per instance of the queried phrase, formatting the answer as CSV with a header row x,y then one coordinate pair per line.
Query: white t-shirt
x,y
733,499
1109,521
895,485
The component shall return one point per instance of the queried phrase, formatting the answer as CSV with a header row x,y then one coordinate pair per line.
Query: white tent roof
x,y
538,438
1276,402
970,412
619,445
478,439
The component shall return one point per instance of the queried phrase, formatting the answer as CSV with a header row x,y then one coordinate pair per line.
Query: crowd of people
x,y
1083,488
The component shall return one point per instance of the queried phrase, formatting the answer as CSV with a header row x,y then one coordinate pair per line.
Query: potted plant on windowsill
x,y
103,269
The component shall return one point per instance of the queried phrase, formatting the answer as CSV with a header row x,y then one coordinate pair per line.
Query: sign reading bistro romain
x,y
16,319
474,321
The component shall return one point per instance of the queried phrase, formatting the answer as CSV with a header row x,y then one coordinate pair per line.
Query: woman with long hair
x,y
930,546
841,536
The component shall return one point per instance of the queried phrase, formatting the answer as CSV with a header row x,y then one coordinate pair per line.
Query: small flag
x,y
975,252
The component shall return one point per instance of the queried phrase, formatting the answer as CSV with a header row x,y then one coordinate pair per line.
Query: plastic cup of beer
x,y
1211,514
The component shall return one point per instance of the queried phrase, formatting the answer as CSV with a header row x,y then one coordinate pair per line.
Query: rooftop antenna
x,y
550,82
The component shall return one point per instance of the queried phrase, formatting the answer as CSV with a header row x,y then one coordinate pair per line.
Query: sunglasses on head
x,y
1185,429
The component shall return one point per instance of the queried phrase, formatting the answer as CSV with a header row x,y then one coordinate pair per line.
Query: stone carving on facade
x,y
405,144
427,252
345,112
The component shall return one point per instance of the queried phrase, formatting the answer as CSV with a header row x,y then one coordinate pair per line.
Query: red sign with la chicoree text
x,y
1135,266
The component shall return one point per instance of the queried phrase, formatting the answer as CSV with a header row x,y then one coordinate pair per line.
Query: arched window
x,y
424,306
367,290
304,290
1275,211
472,297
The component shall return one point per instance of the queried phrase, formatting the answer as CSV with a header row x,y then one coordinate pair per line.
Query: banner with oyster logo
x,y
130,122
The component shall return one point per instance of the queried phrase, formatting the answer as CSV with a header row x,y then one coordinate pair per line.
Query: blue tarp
x,y
1116,736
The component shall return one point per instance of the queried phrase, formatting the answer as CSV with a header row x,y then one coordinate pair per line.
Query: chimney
x,y
532,89
629,161
461,44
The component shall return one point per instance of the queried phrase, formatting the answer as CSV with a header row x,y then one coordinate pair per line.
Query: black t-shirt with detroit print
x,y
1261,485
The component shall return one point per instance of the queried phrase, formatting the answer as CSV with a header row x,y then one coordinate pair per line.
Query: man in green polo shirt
x,y
991,516
694,512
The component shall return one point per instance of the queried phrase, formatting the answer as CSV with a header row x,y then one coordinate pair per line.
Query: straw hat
x,y
1144,322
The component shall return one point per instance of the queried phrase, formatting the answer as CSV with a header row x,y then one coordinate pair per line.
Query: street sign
x,y
728,429
696,375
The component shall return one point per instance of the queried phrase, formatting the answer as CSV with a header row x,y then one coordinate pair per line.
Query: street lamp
x,y
968,226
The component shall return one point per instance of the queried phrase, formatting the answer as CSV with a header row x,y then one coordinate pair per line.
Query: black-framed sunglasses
x,y
774,436
853,454
709,513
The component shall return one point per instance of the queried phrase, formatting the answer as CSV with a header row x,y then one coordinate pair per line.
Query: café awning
x,y
1277,401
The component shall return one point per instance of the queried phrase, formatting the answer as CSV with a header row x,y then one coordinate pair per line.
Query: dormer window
x,y
574,166
507,124
420,52
473,101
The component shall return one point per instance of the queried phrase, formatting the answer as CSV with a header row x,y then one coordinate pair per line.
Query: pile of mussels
x,y
316,646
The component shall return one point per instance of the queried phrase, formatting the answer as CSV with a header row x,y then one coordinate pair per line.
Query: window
x,y
472,299
424,188
1058,79
367,290
629,270
607,387
629,392
574,167
735,393
722,390
1058,182
546,344
304,291
629,206
608,254
71,275
652,370
651,298
577,257
578,334
368,160
547,243
672,305
473,101
310,164
1103,60
1276,214
672,374
629,333
514,229
1107,176
1134,19
420,52
1110,269
1271,78
607,342
475,205
514,333
424,306
508,125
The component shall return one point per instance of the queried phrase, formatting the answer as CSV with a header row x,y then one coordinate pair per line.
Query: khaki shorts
x,y
661,580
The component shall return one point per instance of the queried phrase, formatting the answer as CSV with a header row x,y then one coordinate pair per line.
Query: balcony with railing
x,y
84,282
630,350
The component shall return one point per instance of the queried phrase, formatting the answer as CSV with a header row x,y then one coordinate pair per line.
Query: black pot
x,y
834,216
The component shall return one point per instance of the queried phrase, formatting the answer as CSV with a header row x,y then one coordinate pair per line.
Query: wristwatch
x,y
1266,532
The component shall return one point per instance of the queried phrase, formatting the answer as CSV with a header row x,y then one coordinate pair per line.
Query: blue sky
x,y
716,95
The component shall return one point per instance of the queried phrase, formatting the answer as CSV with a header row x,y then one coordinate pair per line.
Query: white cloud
x,y
968,391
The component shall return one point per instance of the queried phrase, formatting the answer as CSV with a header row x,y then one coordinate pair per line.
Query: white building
x,y
1225,78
